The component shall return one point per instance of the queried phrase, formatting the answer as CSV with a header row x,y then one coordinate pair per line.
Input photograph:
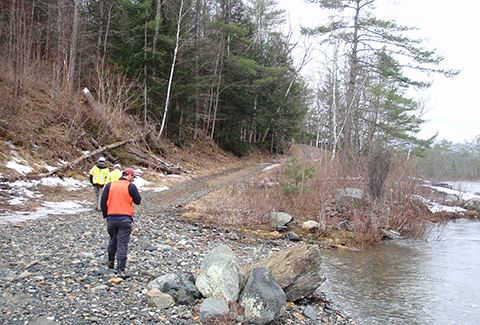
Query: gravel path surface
x,y
52,270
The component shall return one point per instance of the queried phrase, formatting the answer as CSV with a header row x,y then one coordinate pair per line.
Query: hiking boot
x,y
121,269
124,275
111,261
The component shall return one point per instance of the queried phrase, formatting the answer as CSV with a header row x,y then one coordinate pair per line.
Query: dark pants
x,y
119,231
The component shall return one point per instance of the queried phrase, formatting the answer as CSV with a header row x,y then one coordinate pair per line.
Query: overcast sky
x,y
451,28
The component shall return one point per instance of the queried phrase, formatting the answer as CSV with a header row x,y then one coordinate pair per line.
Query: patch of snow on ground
x,y
270,167
435,207
49,168
49,208
70,183
140,183
460,194
17,201
159,189
21,169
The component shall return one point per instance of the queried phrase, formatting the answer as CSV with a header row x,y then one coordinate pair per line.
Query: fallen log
x,y
144,160
76,161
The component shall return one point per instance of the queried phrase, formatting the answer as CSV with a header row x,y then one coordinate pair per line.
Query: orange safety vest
x,y
119,201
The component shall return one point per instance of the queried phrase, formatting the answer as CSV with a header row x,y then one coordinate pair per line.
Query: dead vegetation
x,y
45,127
246,205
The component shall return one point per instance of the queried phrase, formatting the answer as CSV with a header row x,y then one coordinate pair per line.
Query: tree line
x,y
446,160
224,69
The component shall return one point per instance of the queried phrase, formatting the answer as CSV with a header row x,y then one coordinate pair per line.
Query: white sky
x,y
451,28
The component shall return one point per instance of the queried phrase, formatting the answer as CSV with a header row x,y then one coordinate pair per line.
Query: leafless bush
x,y
247,204
378,169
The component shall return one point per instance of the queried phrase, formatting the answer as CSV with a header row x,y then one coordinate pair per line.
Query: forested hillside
x,y
446,160
224,70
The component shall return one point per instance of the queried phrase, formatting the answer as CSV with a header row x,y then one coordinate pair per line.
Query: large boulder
x,y
348,197
279,219
221,277
262,298
310,226
296,269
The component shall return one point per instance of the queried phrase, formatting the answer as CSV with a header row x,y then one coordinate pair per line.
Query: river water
x,y
432,281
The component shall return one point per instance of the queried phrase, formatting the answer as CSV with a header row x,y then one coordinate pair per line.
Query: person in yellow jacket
x,y
115,174
98,177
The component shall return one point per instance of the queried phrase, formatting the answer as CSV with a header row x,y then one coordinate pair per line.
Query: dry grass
x,y
47,126
247,204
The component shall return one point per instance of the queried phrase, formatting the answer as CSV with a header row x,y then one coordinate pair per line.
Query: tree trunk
x,y
198,8
217,98
73,49
352,107
170,79
60,46
101,23
93,153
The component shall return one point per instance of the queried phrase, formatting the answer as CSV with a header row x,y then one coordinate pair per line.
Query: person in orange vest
x,y
98,176
117,207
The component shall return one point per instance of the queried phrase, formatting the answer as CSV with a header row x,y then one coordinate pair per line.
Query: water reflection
x,y
410,282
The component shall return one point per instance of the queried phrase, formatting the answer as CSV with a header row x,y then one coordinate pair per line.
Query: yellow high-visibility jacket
x,y
98,174
114,175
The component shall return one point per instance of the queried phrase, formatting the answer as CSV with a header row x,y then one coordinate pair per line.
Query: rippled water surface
x,y
436,281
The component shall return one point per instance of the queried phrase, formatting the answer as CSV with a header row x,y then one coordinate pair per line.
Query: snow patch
x,y
20,168
270,167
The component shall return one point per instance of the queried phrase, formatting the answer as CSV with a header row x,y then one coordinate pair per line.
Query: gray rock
x,y
297,270
290,235
85,255
282,228
310,226
41,321
160,282
221,277
279,219
392,234
189,282
262,298
349,196
310,312
451,199
183,292
143,244
158,299
211,308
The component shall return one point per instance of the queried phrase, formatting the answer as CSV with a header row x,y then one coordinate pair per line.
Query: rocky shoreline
x,y
52,270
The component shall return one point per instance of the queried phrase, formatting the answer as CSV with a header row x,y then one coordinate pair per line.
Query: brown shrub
x,y
247,204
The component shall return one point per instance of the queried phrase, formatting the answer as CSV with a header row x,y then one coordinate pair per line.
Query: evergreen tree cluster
x,y
224,69
220,69
446,160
